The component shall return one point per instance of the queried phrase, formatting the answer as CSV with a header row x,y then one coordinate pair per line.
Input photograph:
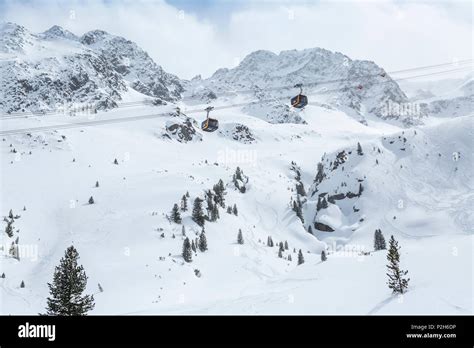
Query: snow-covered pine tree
x,y
202,242
214,212
3,275
91,200
310,229
269,241
229,210
234,210
286,245
396,280
323,256
69,283
115,161
300,257
9,227
198,214
187,251
175,214
183,231
22,285
240,237
379,240
193,246
280,254
219,190
320,174
96,184
359,149
184,203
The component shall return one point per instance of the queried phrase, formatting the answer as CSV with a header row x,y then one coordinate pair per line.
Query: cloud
x,y
394,35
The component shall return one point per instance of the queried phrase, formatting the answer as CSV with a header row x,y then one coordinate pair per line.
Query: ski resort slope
x,y
119,237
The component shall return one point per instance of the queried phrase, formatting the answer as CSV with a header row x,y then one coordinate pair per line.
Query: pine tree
x,y
396,280
286,245
9,227
240,237
187,194
175,215
234,210
91,200
300,257
361,189
69,282
359,149
219,190
310,229
320,174
202,242
184,203
187,253
22,285
3,275
101,289
289,258
379,240
281,250
269,241
323,256
198,215
96,184
214,212
229,210
183,231
115,161
193,246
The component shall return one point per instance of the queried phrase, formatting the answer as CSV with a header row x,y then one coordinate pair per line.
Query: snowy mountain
x,y
360,86
444,98
290,183
39,72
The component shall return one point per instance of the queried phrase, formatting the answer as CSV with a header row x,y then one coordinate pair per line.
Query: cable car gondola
x,y
209,124
300,101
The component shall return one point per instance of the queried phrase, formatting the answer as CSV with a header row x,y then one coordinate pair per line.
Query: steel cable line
x,y
233,92
163,114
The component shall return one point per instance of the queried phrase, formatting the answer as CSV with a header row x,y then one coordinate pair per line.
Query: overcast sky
x,y
189,37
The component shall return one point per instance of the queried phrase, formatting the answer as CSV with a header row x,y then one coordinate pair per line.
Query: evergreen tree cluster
x,y
240,180
297,204
192,246
10,220
379,240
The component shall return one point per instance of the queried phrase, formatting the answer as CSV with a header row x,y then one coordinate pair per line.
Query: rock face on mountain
x,y
362,86
40,71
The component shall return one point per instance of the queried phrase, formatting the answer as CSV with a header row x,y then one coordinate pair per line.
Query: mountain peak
x,y
94,36
58,32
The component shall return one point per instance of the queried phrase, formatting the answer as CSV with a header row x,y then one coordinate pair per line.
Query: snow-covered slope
x,y
127,244
40,72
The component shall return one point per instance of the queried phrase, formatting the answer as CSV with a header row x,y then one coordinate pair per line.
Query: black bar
x,y
224,330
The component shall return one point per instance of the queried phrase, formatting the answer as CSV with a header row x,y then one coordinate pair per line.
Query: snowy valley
x,y
95,154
